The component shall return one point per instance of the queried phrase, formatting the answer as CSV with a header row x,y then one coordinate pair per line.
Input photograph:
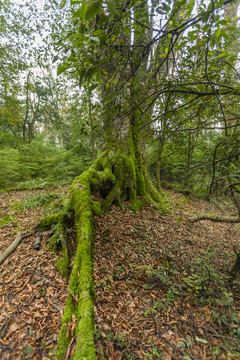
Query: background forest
x,y
51,126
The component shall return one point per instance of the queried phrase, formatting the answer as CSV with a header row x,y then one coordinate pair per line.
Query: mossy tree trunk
x,y
118,174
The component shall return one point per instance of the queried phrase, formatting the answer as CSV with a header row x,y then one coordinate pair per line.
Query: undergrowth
x,y
34,201
38,164
202,285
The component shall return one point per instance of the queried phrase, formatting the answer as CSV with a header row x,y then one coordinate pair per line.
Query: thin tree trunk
x,y
91,127
158,165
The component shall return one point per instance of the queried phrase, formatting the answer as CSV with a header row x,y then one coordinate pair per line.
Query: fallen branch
x,y
37,242
11,247
216,219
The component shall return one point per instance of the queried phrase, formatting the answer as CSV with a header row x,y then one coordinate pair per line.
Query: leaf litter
x,y
32,293
160,291
159,285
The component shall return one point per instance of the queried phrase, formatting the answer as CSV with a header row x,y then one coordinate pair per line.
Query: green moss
x,y
62,266
121,177
81,284
97,208
7,219
137,204
67,318
49,221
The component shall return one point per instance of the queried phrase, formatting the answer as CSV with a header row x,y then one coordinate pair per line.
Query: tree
x,y
132,51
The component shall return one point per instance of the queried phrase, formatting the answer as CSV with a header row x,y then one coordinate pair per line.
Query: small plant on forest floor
x,y
157,277
229,323
7,219
164,303
118,340
34,201
117,272
55,240
162,276
154,354
203,280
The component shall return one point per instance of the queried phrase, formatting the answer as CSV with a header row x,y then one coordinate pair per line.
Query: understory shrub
x,y
39,160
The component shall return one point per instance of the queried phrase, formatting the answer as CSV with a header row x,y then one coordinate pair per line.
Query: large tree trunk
x,y
118,174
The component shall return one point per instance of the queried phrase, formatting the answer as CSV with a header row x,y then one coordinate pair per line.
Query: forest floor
x,y
162,287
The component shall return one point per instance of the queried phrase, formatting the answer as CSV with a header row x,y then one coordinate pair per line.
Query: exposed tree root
x,y
59,224
62,263
11,248
216,219
117,178
49,221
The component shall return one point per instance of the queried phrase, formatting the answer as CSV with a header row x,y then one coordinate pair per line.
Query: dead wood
x,y
216,219
37,242
11,247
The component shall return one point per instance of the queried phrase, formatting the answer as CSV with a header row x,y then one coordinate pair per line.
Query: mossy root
x,y
114,176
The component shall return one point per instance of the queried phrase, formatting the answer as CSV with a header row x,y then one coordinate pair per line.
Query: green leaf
x,y
206,16
81,12
94,38
218,32
28,350
93,9
62,68
203,341
55,59
221,55
180,3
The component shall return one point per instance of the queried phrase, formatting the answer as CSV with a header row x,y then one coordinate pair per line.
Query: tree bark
x,y
91,128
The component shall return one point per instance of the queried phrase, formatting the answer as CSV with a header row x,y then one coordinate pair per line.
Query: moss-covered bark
x,y
49,221
62,263
117,177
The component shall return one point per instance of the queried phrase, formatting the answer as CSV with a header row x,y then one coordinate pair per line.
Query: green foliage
x,y
38,164
7,219
205,283
9,164
34,184
34,201
55,240
155,354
